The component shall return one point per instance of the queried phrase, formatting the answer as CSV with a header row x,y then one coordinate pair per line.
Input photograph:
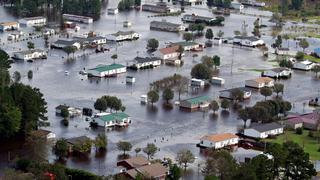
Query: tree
x,y
220,34
245,172
262,166
316,69
225,104
182,86
286,37
237,33
124,146
100,104
150,150
278,42
175,172
214,106
64,113
153,96
297,4
83,147
60,149
207,60
137,150
300,56
297,163
221,164
244,115
187,36
114,57
101,142
30,45
10,120
180,51
303,44
69,50
266,91
30,74
17,76
216,61
137,2
184,157
201,71
167,95
237,95
153,44
209,34
279,158
278,88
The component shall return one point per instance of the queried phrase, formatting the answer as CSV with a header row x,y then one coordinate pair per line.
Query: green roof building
x,y
195,103
112,119
107,70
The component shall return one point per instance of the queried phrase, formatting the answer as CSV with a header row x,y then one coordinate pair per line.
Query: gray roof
x,y
164,23
244,89
89,38
123,33
251,38
65,42
195,17
280,69
77,140
145,59
266,127
30,51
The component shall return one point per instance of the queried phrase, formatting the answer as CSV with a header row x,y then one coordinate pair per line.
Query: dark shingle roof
x,y
145,59
267,127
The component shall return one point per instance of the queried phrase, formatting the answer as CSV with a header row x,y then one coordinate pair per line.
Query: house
x,y
112,119
303,65
144,62
250,41
264,130
166,26
317,52
123,36
30,54
168,53
217,41
92,41
195,103
218,141
107,70
33,21
133,162
153,171
48,31
228,93
280,72
9,26
130,79
237,6
187,45
159,7
192,18
284,52
69,24
76,18
217,81
294,123
127,24
113,11
43,134
310,120
73,112
260,82
62,43
76,141
196,82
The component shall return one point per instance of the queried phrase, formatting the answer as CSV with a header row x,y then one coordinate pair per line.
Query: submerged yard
x,y
309,144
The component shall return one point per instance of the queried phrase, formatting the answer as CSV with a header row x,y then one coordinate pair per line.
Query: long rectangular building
x,y
166,26
76,18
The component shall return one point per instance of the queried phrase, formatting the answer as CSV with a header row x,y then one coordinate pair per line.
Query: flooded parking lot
x,y
170,130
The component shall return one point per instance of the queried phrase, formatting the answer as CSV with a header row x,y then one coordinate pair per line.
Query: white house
x,y
303,65
196,82
112,119
30,54
48,31
192,18
76,18
250,41
187,45
167,53
166,26
123,36
130,79
160,7
140,62
61,43
218,141
217,41
285,52
73,111
228,93
107,70
8,26
260,82
278,72
113,11
98,40
264,130
33,21
217,81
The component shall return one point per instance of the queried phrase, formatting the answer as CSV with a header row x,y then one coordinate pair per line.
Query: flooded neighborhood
x,y
81,61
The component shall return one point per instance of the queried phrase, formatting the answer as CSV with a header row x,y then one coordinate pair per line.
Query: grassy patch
x,y
309,144
312,58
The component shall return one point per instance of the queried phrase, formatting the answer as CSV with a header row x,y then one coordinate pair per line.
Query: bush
x,y
310,134
65,122
319,149
23,164
299,131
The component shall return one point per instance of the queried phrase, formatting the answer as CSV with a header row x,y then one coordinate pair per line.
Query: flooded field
x,y
170,130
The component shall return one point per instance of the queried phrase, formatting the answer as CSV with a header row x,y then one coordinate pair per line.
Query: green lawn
x,y
312,58
310,145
